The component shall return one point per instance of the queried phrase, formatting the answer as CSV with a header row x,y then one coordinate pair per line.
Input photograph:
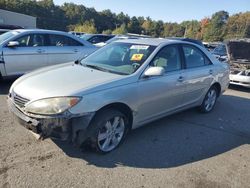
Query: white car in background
x,y
24,50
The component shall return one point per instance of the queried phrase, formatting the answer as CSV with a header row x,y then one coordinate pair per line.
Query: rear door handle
x,y
180,79
75,50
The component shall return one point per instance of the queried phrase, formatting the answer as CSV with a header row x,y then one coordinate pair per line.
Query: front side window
x,y
168,58
60,41
32,40
120,58
24,41
194,57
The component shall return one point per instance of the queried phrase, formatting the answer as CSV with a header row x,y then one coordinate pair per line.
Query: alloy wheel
x,y
110,135
210,100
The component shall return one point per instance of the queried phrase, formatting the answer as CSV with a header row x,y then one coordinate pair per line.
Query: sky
x,y
166,10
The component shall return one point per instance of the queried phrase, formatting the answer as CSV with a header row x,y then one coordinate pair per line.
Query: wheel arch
x,y
218,87
122,107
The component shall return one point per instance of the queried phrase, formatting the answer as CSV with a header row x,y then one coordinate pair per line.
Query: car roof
x,y
89,34
151,41
40,31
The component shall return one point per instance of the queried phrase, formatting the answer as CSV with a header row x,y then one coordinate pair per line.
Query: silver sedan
x,y
25,50
120,87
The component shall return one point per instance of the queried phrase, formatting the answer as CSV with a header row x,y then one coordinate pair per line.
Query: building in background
x,y
13,18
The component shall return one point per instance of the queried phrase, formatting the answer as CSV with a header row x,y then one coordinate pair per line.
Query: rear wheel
x,y
209,100
110,128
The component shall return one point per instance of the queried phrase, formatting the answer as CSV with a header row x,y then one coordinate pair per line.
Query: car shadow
x,y
179,139
239,88
5,86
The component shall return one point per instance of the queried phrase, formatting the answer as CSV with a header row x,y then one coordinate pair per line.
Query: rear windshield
x,y
220,50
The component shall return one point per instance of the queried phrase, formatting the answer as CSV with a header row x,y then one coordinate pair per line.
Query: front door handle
x,y
210,71
180,79
76,50
40,51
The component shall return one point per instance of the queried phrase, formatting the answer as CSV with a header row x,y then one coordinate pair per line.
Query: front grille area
x,y
20,101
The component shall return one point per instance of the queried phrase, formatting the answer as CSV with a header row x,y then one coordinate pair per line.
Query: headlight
x,y
52,106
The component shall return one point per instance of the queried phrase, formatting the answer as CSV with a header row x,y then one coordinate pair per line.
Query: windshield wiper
x,y
96,67
103,69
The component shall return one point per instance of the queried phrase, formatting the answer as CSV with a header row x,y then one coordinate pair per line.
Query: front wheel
x,y
209,100
110,128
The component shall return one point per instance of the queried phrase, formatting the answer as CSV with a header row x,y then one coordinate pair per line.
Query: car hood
x,y
65,80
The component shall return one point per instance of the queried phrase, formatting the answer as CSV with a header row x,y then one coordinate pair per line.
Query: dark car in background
x,y
77,34
5,28
96,38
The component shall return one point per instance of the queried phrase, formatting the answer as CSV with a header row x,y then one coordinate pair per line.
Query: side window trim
x,y
203,54
65,38
178,47
76,41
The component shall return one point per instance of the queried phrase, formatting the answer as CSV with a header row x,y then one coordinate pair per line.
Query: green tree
x,y
217,27
238,26
120,30
192,29
134,26
107,32
86,27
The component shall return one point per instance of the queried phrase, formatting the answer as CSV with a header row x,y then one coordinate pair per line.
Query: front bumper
x,y
240,80
64,126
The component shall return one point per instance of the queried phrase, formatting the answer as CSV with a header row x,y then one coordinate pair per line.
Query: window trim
x,y
178,47
203,54
61,35
31,36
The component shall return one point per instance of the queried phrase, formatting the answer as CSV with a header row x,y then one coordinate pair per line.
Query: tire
x,y
209,100
109,130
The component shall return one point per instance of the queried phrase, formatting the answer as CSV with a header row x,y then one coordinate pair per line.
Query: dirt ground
x,y
188,149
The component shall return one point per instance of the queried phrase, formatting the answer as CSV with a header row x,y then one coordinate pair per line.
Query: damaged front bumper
x,y
63,126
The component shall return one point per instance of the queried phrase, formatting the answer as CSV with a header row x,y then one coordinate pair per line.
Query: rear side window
x,y
60,41
194,57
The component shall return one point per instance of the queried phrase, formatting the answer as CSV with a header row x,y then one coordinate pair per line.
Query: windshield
x,y
86,36
119,58
220,50
7,35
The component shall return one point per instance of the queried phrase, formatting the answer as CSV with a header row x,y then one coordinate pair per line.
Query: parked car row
x,y
22,51
46,47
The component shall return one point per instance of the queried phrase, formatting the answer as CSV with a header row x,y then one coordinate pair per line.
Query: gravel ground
x,y
188,149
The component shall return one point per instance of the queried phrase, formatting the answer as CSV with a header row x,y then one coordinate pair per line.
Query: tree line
x,y
69,16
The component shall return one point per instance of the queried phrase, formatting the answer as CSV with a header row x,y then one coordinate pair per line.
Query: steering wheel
x,y
135,65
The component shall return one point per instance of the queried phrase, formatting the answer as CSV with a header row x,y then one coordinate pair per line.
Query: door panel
x,y
29,55
63,49
197,82
198,72
160,95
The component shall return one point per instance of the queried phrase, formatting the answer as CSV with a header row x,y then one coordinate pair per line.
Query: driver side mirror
x,y
13,44
154,71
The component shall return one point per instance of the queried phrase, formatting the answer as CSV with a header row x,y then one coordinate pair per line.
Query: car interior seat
x,y
37,41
